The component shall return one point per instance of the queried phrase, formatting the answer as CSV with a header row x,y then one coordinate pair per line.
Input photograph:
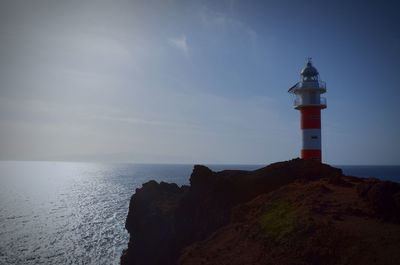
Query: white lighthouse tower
x,y
309,102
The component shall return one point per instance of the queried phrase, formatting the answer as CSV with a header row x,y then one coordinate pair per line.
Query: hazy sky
x,y
195,81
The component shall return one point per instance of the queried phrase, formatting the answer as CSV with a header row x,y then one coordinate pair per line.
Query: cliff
x,y
294,212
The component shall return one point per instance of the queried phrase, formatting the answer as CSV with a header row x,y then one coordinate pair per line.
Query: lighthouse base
x,y
311,154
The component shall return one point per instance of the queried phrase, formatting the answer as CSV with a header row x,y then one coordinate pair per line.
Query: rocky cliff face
x,y
295,212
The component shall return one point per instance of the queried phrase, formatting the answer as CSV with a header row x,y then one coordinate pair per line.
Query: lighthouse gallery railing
x,y
300,102
311,84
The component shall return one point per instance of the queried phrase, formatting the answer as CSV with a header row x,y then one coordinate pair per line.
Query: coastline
x,y
264,217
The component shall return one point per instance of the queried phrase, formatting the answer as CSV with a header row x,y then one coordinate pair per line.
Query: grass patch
x,y
278,221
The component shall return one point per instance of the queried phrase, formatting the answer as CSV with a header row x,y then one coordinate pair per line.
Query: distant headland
x,y
293,212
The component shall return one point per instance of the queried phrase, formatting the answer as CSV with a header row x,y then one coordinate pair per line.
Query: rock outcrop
x,y
294,212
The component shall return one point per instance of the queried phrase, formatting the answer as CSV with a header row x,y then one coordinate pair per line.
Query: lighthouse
x,y
309,102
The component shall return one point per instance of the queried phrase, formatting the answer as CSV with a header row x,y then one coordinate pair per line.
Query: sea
x,y
74,213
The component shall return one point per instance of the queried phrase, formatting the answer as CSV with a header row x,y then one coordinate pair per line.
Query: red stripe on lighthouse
x,y
310,118
311,154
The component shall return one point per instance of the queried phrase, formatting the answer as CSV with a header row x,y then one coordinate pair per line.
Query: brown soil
x,y
294,212
302,223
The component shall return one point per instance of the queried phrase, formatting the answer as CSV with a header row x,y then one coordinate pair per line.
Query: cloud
x,y
225,22
180,43
253,37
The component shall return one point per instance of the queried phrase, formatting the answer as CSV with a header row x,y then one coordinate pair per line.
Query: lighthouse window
x,y
314,137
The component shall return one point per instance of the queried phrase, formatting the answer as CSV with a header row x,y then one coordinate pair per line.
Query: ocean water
x,y
70,213
391,173
74,213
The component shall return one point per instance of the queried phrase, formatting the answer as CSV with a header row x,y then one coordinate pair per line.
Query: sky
x,y
196,81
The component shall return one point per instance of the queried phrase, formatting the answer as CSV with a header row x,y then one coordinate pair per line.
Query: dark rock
x,y
163,218
339,181
383,197
151,224
285,227
294,212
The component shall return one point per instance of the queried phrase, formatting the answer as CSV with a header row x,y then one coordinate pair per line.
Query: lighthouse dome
x,y
309,71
